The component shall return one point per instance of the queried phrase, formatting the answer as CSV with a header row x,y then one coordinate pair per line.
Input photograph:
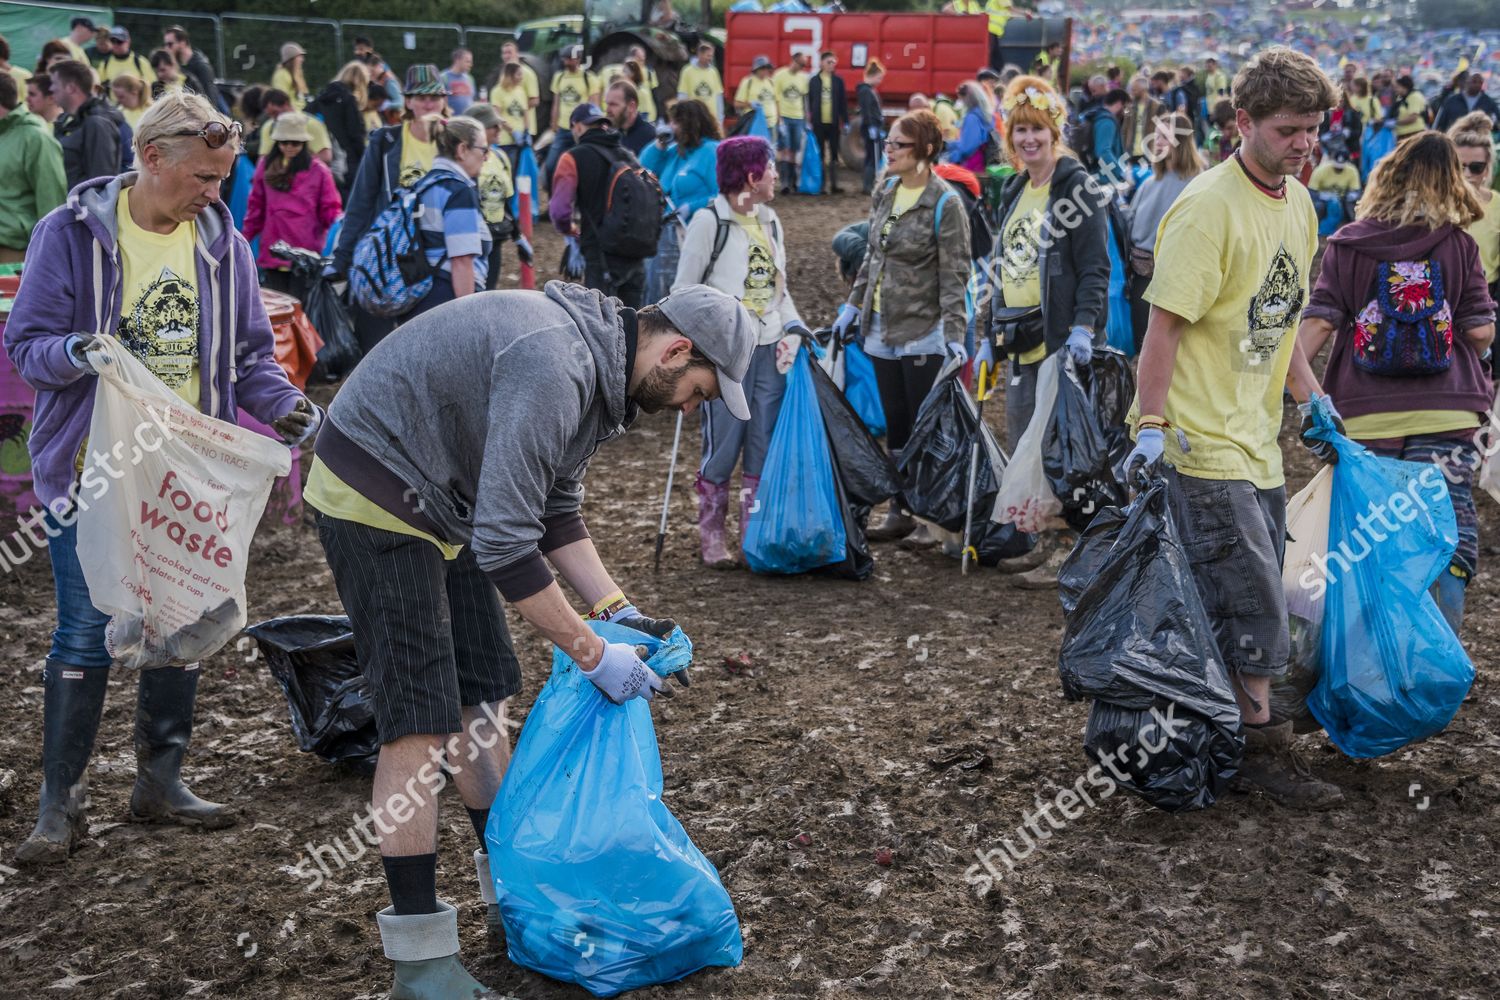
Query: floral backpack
x,y
1406,329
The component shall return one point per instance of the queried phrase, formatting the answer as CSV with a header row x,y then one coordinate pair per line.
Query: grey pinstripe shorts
x,y
1235,538
430,633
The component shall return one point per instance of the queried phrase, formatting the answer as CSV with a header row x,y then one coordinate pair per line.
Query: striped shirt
x,y
451,224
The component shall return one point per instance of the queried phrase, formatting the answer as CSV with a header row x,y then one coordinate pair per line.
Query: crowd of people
x,y
1164,215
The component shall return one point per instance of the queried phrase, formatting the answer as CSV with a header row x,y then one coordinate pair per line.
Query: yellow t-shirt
x,y
336,498
645,103
75,51
1486,232
21,76
1367,106
132,116
702,85
1020,268
1332,178
570,90
760,279
115,66
513,105
495,187
1234,263
281,79
754,90
1405,423
825,104
1414,104
948,118
905,198
317,140
416,156
791,92
159,311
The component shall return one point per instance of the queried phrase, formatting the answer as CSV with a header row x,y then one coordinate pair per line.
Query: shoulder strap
x,y
937,214
721,239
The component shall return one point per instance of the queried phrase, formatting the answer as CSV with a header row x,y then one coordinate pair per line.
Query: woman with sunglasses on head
x,y
292,198
1401,291
751,266
451,226
152,258
1049,280
1476,154
909,296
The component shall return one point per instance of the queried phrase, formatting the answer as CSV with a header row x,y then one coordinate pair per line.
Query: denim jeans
x,y
78,640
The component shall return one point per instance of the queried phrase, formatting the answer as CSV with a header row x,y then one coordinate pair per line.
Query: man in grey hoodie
x,y
451,467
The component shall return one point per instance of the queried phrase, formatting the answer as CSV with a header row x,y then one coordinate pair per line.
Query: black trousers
x,y
903,384
827,137
280,281
1140,309
622,277
872,157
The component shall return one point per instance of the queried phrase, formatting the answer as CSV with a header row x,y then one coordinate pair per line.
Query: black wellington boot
x,y
163,727
72,704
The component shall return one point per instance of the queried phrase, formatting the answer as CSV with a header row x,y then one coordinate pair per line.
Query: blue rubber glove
x,y
1322,450
985,354
1150,442
847,315
956,349
331,272
621,674
1080,345
524,251
78,346
573,266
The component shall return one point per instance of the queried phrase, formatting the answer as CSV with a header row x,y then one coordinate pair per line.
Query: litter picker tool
x,y
666,495
983,386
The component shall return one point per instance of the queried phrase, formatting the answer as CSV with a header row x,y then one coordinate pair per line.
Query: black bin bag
x,y
326,311
1138,641
312,658
1087,436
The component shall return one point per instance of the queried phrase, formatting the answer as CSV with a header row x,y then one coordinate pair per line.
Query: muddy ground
x,y
855,691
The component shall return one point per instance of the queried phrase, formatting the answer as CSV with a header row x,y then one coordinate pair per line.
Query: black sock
x,y
412,879
481,819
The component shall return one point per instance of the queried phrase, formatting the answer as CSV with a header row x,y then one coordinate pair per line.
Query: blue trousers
x,y
78,640
726,439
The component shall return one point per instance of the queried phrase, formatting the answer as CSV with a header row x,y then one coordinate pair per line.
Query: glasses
x,y
1477,169
893,144
214,134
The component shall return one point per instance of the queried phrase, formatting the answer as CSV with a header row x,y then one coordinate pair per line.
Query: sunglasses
x,y
1477,169
214,134
893,144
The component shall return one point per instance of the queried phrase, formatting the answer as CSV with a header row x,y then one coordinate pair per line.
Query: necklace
x,y
1279,191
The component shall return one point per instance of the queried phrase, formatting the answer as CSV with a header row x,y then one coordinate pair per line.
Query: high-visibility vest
x,y
968,6
999,12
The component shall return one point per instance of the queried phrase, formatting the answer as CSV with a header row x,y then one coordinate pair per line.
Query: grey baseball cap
x,y
722,331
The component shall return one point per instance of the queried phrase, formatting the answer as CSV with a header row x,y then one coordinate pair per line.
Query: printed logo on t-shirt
x,y
703,90
1273,313
760,279
515,110
570,94
411,173
161,328
1020,254
492,195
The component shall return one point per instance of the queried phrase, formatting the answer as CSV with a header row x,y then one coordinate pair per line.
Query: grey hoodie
x,y
476,421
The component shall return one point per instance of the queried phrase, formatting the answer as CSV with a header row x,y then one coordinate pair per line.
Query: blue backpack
x,y
390,273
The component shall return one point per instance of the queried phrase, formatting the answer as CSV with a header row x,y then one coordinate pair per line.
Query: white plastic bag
x,y
1303,568
1489,469
164,545
1025,498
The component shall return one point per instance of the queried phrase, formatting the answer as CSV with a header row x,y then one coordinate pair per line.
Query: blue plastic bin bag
x,y
798,524
860,388
810,181
1393,671
598,883
1118,332
1374,147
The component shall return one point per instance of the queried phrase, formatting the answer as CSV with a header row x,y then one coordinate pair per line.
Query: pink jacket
x,y
302,216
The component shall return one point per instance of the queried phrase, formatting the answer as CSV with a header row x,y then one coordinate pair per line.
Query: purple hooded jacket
x,y
72,285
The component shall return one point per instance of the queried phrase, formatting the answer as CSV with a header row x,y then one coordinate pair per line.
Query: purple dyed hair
x,y
742,158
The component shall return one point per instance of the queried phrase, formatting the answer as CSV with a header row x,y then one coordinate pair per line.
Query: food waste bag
x,y
312,657
598,883
1138,641
1393,672
165,545
798,523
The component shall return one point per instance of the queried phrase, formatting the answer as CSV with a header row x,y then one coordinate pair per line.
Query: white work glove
x,y
621,674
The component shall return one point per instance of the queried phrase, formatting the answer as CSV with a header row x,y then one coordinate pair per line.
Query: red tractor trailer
x,y
922,52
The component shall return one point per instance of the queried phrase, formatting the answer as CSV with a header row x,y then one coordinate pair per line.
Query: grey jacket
x,y
922,266
483,415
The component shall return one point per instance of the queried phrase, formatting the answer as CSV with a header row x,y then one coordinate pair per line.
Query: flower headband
x,y
1039,99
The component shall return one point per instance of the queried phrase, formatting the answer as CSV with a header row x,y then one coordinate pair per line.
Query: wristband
x,y
609,606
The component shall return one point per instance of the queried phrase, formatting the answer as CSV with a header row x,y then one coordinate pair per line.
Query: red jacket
x,y
302,215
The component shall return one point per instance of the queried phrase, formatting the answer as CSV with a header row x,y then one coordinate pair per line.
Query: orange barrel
x,y
297,343
16,403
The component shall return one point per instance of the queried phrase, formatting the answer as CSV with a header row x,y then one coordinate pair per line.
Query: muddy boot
x,y
713,508
72,703
1273,765
898,523
1028,560
494,927
163,727
920,537
749,488
1044,575
424,947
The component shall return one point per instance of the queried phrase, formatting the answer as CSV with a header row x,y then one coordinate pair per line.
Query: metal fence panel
x,y
252,47
147,27
403,43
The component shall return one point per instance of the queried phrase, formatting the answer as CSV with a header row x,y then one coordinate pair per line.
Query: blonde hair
x,y
1472,131
356,76
1420,184
134,84
177,111
1030,100
1182,159
450,133
1282,80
